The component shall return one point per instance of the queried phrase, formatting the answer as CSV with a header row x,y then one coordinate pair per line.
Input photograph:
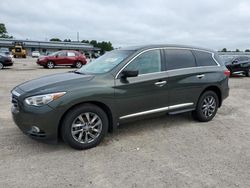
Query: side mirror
x,y
56,56
129,73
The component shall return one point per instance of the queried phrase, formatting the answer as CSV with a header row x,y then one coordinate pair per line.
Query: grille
x,y
14,100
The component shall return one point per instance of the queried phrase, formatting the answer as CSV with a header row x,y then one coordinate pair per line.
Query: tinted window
x,y
147,62
204,58
62,54
178,59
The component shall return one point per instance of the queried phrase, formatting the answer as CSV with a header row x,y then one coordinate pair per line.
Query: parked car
x,y
5,51
62,58
239,64
35,54
82,106
5,61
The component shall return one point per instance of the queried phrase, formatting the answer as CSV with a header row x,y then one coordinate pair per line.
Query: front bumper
x,y
45,118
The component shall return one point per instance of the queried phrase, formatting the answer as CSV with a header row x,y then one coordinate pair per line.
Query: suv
x,y
239,64
81,106
62,58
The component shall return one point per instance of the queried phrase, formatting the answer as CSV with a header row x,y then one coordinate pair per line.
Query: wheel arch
x,y
215,89
101,105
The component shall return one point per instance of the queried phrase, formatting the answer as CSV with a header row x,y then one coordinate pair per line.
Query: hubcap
x,y
78,65
208,106
50,65
86,127
1,65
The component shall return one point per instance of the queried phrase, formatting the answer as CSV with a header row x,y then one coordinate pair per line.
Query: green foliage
x,y
247,50
67,40
55,40
3,31
104,46
224,50
237,50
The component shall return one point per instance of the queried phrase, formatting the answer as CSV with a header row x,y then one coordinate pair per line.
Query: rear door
x,y
183,82
146,93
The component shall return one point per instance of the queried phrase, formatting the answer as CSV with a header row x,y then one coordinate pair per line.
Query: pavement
x,y
166,151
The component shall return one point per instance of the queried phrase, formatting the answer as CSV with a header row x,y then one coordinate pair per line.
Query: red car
x,y
63,58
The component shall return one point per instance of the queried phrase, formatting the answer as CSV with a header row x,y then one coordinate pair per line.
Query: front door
x,y
146,93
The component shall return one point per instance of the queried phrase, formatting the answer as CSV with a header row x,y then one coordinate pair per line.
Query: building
x,y
45,47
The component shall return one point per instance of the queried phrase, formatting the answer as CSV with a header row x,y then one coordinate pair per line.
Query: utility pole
x,y
77,36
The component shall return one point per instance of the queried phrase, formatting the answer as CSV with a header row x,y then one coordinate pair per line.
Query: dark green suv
x,y
82,106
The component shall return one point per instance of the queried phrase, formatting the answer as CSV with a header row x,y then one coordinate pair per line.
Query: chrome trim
x,y
157,110
173,48
15,93
180,105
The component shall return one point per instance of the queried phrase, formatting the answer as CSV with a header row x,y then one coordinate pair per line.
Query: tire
x,y
207,107
50,65
78,64
248,73
88,134
1,66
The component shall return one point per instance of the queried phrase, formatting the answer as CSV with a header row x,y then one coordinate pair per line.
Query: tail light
x,y
227,73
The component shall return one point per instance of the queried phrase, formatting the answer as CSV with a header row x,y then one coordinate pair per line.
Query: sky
x,y
207,23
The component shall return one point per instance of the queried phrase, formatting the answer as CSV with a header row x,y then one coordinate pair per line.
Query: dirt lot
x,y
168,151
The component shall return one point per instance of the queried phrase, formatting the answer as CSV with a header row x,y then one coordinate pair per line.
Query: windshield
x,y
53,54
106,62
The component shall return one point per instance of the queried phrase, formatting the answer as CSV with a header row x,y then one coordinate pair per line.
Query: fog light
x,y
35,129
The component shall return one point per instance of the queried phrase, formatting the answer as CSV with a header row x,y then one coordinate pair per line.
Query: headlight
x,y
40,100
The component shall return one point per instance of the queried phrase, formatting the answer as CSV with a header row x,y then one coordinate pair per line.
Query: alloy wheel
x,y
86,127
78,64
1,66
209,106
50,65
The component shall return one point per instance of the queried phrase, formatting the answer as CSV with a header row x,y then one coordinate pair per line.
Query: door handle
x,y
200,76
160,83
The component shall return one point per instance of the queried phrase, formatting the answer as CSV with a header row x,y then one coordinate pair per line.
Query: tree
x,y
237,50
94,43
224,50
67,40
84,41
3,31
247,50
55,40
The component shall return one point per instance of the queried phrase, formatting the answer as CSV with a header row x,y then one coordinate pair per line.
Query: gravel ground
x,y
167,151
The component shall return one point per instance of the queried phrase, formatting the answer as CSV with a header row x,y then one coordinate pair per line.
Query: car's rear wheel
x,y
78,64
1,65
248,73
50,65
207,107
84,126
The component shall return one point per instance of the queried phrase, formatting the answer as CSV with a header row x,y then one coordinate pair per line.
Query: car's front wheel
x,y
207,106
50,65
84,126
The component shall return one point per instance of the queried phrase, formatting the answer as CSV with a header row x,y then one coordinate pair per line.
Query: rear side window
x,y
179,59
71,54
204,58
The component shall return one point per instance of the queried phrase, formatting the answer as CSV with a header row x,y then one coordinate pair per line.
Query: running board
x,y
181,111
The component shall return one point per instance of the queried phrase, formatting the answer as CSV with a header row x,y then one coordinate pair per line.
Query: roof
x,y
145,47
47,44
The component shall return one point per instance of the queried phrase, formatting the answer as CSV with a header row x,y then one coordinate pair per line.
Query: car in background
x,y
238,64
35,54
5,51
63,58
5,61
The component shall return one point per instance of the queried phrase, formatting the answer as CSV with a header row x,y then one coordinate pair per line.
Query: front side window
x,y
179,59
204,58
62,54
148,62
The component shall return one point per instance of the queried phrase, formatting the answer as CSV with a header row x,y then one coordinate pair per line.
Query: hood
x,y
61,81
